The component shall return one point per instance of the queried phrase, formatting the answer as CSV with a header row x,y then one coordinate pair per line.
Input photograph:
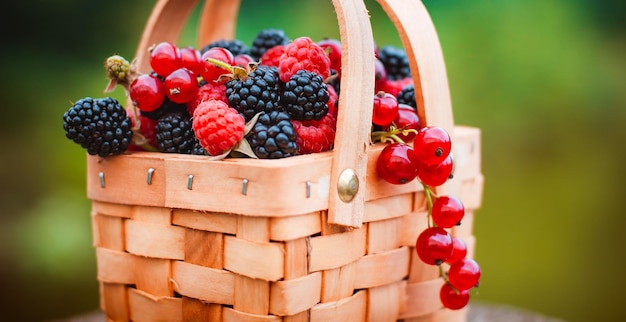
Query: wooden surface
x,y
478,312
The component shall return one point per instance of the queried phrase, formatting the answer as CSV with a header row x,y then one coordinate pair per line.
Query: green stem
x,y
443,274
429,203
220,63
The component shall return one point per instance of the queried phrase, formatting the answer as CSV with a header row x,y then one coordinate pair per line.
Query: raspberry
x,y
305,96
315,136
101,126
235,46
395,61
407,96
303,53
267,39
147,128
255,92
394,87
207,91
273,136
218,127
174,133
271,57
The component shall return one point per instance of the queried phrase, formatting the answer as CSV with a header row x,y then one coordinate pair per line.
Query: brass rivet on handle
x,y
347,185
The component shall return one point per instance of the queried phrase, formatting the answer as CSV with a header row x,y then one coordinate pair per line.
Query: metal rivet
x,y
101,176
308,189
347,185
190,181
244,187
149,177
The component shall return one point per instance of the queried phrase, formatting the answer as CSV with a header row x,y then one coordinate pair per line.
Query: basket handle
x,y
218,21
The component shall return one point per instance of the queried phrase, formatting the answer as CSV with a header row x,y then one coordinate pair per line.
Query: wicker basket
x,y
182,238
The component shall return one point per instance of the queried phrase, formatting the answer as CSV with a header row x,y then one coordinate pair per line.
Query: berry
x,y
436,174
174,133
333,50
254,93
380,75
385,109
459,250
394,87
407,96
243,60
166,107
271,57
218,127
303,53
395,61
447,211
434,246
305,96
165,58
216,91
235,46
147,92
101,126
147,128
181,86
452,298
315,136
212,72
464,274
396,163
117,68
333,100
273,136
407,119
432,144
191,59
266,39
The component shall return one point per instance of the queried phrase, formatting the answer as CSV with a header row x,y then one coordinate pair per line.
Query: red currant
x,y
191,59
407,119
397,164
332,47
436,174
210,71
165,58
181,86
432,144
243,60
452,298
459,250
385,109
434,245
464,274
380,75
447,211
147,92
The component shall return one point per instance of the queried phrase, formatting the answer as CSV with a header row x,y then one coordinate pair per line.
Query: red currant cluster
x,y
423,153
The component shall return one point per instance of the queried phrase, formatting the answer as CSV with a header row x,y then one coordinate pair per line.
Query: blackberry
x,y
395,61
99,125
273,136
174,134
407,96
235,46
166,107
305,96
266,39
255,92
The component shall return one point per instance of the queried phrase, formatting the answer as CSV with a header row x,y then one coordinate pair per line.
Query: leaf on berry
x,y
219,157
250,124
244,147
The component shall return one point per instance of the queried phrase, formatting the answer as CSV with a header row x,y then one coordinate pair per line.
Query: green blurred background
x,y
544,80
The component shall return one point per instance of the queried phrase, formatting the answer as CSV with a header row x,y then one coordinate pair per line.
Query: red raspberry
x,y
395,86
271,57
210,90
303,53
315,136
147,127
217,126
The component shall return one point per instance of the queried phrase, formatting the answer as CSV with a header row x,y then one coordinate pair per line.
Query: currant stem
x,y
221,64
429,204
443,274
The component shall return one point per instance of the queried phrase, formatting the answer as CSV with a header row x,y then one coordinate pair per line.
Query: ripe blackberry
x,y
395,61
266,39
174,133
235,46
166,107
273,136
255,92
407,96
305,96
99,125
